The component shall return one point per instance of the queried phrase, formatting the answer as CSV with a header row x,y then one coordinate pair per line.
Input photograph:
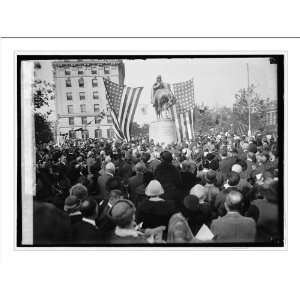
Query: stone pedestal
x,y
163,131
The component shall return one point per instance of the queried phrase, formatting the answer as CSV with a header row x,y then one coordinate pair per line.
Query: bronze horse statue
x,y
163,100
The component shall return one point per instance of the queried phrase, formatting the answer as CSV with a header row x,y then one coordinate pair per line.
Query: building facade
x,y
81,106
271,116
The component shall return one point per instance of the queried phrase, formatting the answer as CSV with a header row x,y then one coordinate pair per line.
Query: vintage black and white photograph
x,y
150,150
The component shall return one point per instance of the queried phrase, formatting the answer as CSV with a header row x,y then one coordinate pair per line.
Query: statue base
x,y
163,131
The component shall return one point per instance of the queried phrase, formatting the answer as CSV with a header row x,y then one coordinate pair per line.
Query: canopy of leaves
x,y
139,131
43,133
246,99
42,92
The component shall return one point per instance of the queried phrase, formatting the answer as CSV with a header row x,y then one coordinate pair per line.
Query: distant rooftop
x,y
85,62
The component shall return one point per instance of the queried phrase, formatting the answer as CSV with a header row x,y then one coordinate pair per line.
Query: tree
x,y
138,131
42,93
43,132
246,99
204,120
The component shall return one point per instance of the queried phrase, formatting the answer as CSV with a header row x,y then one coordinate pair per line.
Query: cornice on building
x,y
88,63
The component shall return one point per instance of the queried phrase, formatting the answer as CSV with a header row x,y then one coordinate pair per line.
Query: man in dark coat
x,y
86,231
103,179
136,180
169,177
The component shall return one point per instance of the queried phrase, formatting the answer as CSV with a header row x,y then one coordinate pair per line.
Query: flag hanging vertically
x,y
183,110
123,101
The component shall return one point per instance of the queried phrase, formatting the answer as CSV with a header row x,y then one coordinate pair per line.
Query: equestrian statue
x,y
162,98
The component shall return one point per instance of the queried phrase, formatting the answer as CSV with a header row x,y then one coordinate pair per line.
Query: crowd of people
x,y
219,188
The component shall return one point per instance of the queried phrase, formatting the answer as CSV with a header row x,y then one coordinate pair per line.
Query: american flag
x,y
183,110
123,101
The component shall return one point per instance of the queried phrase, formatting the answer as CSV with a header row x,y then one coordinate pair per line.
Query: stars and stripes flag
x,y
123,101
183,110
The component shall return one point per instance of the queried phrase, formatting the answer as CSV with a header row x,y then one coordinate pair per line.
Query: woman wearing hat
x,y
154,210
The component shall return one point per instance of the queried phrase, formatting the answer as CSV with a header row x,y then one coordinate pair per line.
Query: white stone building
x,y
81,97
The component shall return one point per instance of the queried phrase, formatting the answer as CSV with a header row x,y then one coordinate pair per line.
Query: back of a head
x,y
145,157
80,191
166,157
148,176
122,213
271,192
88,208
114,183
114,196
233,201
140,167
214,164
186,166
211,176
110,167
233,179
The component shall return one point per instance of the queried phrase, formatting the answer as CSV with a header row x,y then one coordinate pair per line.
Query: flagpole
x,y
249,104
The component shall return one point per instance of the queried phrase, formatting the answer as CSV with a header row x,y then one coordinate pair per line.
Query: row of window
x,y
83,108
82,95
94,71
98,133
84,120
81,82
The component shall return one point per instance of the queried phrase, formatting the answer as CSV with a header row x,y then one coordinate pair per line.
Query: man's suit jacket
x,y
226,164
133,183
102,180
85,233
233,227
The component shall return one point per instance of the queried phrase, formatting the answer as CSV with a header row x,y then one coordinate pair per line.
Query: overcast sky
x,y
216,80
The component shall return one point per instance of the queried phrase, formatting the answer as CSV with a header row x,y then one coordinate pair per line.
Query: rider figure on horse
x,y
162,97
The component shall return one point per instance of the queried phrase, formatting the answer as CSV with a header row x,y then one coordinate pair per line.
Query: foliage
x,y
138,131
42,93
249,98
43,133
204,120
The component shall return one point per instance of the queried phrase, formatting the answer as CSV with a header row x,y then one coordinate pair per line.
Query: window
x,y
72,134
80,72
67,72
110,133
96,108
70,109
94,70
84,120
71,121
106,70
69,96
85,134
82,108
82,96
95,95
94,82
68,82
81,82
98,133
